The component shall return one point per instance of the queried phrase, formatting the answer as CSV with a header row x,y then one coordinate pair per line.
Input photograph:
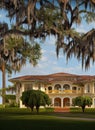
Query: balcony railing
x,y
63,91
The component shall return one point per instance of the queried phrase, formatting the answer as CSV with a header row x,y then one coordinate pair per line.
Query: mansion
x,y
61,87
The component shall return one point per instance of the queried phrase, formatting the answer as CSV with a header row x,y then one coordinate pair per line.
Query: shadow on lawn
x,y
23,119
43,123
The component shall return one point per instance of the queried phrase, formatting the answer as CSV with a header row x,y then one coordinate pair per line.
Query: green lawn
x,y
23,119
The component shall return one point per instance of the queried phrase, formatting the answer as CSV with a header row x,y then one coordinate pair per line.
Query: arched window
x,y
49,89
74,89
66,87
57,87
87,88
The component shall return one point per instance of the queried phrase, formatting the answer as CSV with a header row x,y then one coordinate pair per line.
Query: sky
x,y
49,63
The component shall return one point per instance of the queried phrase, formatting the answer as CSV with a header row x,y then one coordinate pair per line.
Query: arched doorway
x,y
66,102
57,102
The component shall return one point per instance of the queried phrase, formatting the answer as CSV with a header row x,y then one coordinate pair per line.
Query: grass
x,y
23,119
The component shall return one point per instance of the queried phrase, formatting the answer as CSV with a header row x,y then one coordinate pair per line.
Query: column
x,y
84,88
93,102
61,102
70,101
61,88
53,89
21,90
53,101
71,88
22,87
17,95
77,90
93,88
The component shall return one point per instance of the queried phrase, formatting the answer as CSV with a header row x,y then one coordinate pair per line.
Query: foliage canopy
x,y
15,52
82,101
35,98
39,18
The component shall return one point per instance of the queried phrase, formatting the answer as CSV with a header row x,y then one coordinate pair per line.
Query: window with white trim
x,y
39,86
88,88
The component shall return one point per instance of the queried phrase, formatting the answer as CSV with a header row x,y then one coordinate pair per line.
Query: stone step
x,y
61,109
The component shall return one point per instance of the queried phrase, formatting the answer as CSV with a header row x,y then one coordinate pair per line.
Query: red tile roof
x,y
62,74
55,77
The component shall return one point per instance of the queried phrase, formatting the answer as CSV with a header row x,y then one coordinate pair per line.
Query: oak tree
x,y
82,101
35,98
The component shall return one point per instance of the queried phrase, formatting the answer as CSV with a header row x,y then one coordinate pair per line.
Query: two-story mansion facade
x,y
61,87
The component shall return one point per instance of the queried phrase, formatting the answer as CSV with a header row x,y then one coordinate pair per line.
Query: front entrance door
x,y
57,102
66,102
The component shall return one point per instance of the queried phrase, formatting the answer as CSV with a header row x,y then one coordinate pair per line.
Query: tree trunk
x,y
37,108
3,83
32,109
83,108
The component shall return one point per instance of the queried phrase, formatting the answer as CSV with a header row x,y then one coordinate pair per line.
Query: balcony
x,y
63,91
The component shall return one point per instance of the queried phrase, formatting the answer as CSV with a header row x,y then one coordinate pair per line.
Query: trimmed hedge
x,y
80,110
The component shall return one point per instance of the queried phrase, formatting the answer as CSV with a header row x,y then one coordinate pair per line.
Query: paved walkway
x,y
77,118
